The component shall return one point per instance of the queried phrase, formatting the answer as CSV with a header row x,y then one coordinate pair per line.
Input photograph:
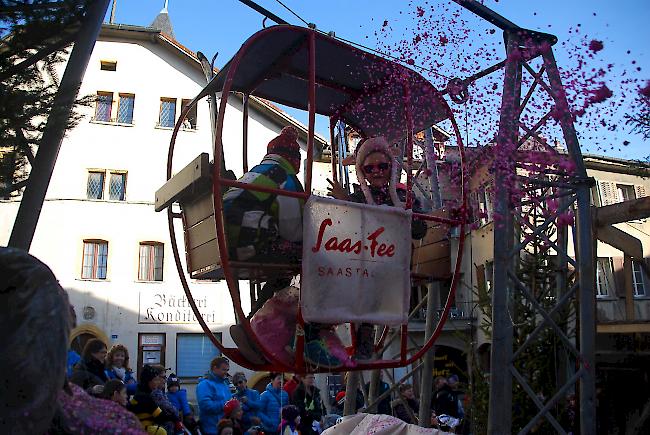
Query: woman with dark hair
x,y
117,367
90,370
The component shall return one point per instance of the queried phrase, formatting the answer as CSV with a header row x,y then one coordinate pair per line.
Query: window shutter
x,y
193,354
608,194
640,191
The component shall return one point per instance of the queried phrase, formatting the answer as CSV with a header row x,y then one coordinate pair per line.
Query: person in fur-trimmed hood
x,y
378,173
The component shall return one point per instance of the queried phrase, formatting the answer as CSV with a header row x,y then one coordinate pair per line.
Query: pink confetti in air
x,y
595,45
645,91
601,94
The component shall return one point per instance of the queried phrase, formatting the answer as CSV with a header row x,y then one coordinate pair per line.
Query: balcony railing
x,y
461,311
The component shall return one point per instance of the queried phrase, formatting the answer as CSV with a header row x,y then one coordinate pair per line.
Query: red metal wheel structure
x,y
308,70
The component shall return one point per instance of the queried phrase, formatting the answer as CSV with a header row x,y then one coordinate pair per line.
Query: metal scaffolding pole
x,y
50,144
426,387
500,410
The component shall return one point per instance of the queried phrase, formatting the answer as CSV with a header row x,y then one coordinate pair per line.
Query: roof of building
x,y
163,23
156,36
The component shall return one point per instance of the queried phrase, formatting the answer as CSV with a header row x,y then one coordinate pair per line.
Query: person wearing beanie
x,y
290,420
178,398
232,414
263,227
378,174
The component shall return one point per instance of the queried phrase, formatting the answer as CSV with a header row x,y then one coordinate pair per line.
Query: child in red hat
x,y
264,227
232,414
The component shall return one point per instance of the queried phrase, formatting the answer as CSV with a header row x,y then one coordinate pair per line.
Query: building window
x,y
167,112
151,261
625,192
125,109
117,186
95,259
190,120
193,354
108,65
104,104
638,279
604,277
95,188
481,206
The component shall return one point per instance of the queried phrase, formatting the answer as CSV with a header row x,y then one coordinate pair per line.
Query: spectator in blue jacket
x,y
250,400
212,393
117,367
271,402
178,397
73,356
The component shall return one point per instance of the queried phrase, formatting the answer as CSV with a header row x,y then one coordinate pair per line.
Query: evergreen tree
x,y
35,36
543,362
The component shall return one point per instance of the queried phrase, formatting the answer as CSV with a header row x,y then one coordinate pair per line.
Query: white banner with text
x,y
355,262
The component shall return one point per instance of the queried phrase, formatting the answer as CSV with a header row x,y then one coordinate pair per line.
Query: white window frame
x,y
108,185
167,100
638,280
110,109
604,278
107,175
125,95
625,192
94,245
191,121
103,188
149,275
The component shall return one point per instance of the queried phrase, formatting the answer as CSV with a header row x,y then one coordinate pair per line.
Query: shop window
x,y
95,259
194,353
151,261
151,349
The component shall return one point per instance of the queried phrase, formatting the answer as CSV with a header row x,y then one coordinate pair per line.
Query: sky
x,y
221,26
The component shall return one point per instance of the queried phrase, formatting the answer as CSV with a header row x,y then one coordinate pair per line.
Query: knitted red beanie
x,y
286,145
231,406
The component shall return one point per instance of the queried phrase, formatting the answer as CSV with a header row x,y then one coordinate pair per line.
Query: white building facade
x,y
98,230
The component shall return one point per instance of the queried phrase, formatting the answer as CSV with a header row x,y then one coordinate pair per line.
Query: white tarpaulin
x,y
355,262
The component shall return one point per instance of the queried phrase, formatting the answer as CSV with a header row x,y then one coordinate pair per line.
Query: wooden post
x,y
350,405
426,387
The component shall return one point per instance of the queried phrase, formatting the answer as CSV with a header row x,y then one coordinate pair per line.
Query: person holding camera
x,y
249,399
